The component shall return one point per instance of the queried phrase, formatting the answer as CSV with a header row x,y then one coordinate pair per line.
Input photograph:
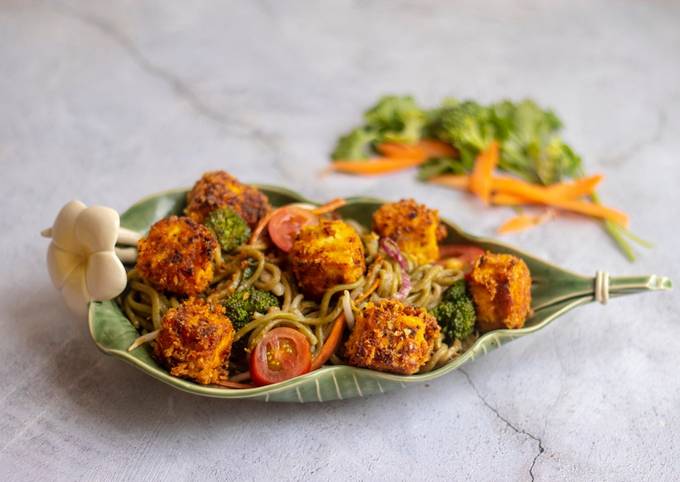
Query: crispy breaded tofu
x,y
392,337
327,254
414,227
177,256
218,189
195,341
500,285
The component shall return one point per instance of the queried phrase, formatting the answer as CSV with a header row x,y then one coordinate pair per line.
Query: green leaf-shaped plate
x,y
555,291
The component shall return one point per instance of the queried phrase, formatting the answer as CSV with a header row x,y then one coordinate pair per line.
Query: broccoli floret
x,y
355,145
467,126
242,304
229,228
396,119
456,290
456,313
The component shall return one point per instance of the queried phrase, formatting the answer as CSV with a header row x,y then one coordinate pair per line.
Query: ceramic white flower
x,y
82,259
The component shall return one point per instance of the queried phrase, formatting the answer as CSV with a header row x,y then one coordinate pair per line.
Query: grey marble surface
x,y
109,101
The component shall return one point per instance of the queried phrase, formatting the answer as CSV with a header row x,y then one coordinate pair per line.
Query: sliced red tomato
x,y
467,254
286,222
282,353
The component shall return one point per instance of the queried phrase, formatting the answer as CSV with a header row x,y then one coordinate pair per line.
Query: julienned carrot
x,y
427,148
329,206
565,190
331,343
397,150
540,195
380,165
435,148
525,221
482,174
458,181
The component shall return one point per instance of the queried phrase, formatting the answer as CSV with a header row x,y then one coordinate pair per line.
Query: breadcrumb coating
x,y
217,189
392,337
500,285
195,341
327,254
414,227
177,256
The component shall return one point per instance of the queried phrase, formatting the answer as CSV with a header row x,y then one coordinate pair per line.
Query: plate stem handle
x,y
606,286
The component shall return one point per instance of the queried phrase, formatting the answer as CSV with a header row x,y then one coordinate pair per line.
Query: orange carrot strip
x,y
540,195
435,148
372,167
396,150
566,190
525,221
329,206
482,173
260,226
331,343
451,180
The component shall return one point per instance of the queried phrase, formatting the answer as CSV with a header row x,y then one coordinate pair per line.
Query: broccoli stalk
x,y
230,229
242,304
456,313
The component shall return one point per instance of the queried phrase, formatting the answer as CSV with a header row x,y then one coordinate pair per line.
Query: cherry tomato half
x,y
465,253
286,223
282,353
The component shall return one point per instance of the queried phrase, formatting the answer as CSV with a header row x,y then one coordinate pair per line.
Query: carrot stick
x,y
540,195
452,180
525,221
260,226
566,190
331,343
329,206
397,150
376,166
435,148
482,174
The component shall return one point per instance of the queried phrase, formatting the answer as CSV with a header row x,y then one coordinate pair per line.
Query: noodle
x,y
249,266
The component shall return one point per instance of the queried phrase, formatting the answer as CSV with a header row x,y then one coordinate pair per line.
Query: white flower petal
x,y
61,263
96,228
75,292
105,276
62,229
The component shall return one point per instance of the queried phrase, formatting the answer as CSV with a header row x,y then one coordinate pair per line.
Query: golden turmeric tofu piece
x,y
414,227
218,189
500,285
177,256
327,254
392,337
195,341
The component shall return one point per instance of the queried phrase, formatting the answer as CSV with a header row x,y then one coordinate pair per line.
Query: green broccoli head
x,y
467,125
229,228
456,312
396,119
355,145
242,304
456,290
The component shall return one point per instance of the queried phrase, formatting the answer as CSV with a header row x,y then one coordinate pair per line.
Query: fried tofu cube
x,y
325,255
177,256
218,189
195,341
389,336
414,227
500,285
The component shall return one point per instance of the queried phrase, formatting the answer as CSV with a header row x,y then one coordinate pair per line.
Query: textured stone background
x,y
109,101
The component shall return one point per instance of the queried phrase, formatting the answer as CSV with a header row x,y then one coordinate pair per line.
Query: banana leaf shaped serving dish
x,y
555,291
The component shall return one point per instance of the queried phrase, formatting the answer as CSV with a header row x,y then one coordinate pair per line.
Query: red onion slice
x,y
390,247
